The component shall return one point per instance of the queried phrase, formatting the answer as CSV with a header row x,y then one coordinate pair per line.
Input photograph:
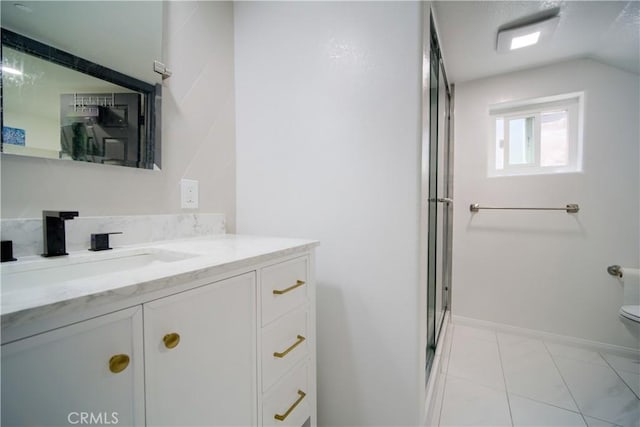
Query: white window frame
x,y
573,103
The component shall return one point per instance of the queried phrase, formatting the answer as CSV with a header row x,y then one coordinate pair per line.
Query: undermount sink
x,y
46,271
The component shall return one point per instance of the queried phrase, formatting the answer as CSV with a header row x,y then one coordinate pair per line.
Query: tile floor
x,y
490,378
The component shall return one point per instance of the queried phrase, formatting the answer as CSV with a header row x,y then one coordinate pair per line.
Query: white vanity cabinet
x,y
91,371
288,343
200,355
233,346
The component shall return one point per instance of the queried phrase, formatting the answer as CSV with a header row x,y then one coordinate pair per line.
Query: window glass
x,y
521,147
554,141
536,136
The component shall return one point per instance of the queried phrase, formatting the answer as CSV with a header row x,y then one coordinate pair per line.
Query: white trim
x,y
548,336
511,106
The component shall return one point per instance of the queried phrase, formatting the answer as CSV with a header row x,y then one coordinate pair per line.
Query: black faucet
x,y
53,232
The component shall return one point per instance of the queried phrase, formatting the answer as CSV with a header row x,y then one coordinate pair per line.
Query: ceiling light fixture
x,y
525,35
524,41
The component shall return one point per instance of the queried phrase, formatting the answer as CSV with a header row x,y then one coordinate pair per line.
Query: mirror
x,y
60,102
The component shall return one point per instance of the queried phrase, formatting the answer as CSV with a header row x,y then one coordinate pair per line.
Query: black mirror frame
x,y
152,93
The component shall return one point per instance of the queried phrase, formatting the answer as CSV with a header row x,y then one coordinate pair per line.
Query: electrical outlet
x,y
189,194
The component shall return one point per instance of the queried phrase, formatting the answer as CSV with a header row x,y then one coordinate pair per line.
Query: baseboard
x,y
548,336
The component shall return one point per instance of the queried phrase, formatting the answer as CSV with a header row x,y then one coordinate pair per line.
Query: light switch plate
x,y
189,194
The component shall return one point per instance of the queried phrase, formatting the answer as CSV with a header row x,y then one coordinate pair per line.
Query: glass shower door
x,y
443,204
440,209
432,242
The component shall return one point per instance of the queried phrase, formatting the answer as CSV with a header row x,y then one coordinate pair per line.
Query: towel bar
x,y
570,208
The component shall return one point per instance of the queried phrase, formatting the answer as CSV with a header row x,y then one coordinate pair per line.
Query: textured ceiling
x,y
607,31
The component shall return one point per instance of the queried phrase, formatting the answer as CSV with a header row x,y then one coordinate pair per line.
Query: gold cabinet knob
x,y
171,340
118,363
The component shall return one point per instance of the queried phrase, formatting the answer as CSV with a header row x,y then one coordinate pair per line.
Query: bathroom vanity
x,y
202,331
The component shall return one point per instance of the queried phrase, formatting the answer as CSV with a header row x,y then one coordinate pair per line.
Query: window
x,y
539,136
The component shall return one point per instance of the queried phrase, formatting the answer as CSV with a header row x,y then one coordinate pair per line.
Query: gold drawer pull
x,y
171,340
290,288
118,363
294,345
284,416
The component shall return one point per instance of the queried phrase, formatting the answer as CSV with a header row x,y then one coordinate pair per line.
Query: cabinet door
x,y
88,372
200,354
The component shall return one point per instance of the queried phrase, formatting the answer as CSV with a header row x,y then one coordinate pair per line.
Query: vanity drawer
x,y
284,287
284,344
288,404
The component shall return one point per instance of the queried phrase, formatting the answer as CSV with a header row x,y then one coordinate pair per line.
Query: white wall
x,y
328,147
198,136
547,270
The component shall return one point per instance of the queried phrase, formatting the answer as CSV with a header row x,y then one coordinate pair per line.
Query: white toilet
x,y
631,312
631,301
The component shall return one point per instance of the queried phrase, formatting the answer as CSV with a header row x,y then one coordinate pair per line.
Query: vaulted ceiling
x,y
607,31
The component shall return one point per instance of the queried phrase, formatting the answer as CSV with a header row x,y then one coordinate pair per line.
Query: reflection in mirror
x,y
125,36
56,105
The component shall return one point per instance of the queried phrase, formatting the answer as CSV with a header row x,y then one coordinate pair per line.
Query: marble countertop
x,y
207,257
